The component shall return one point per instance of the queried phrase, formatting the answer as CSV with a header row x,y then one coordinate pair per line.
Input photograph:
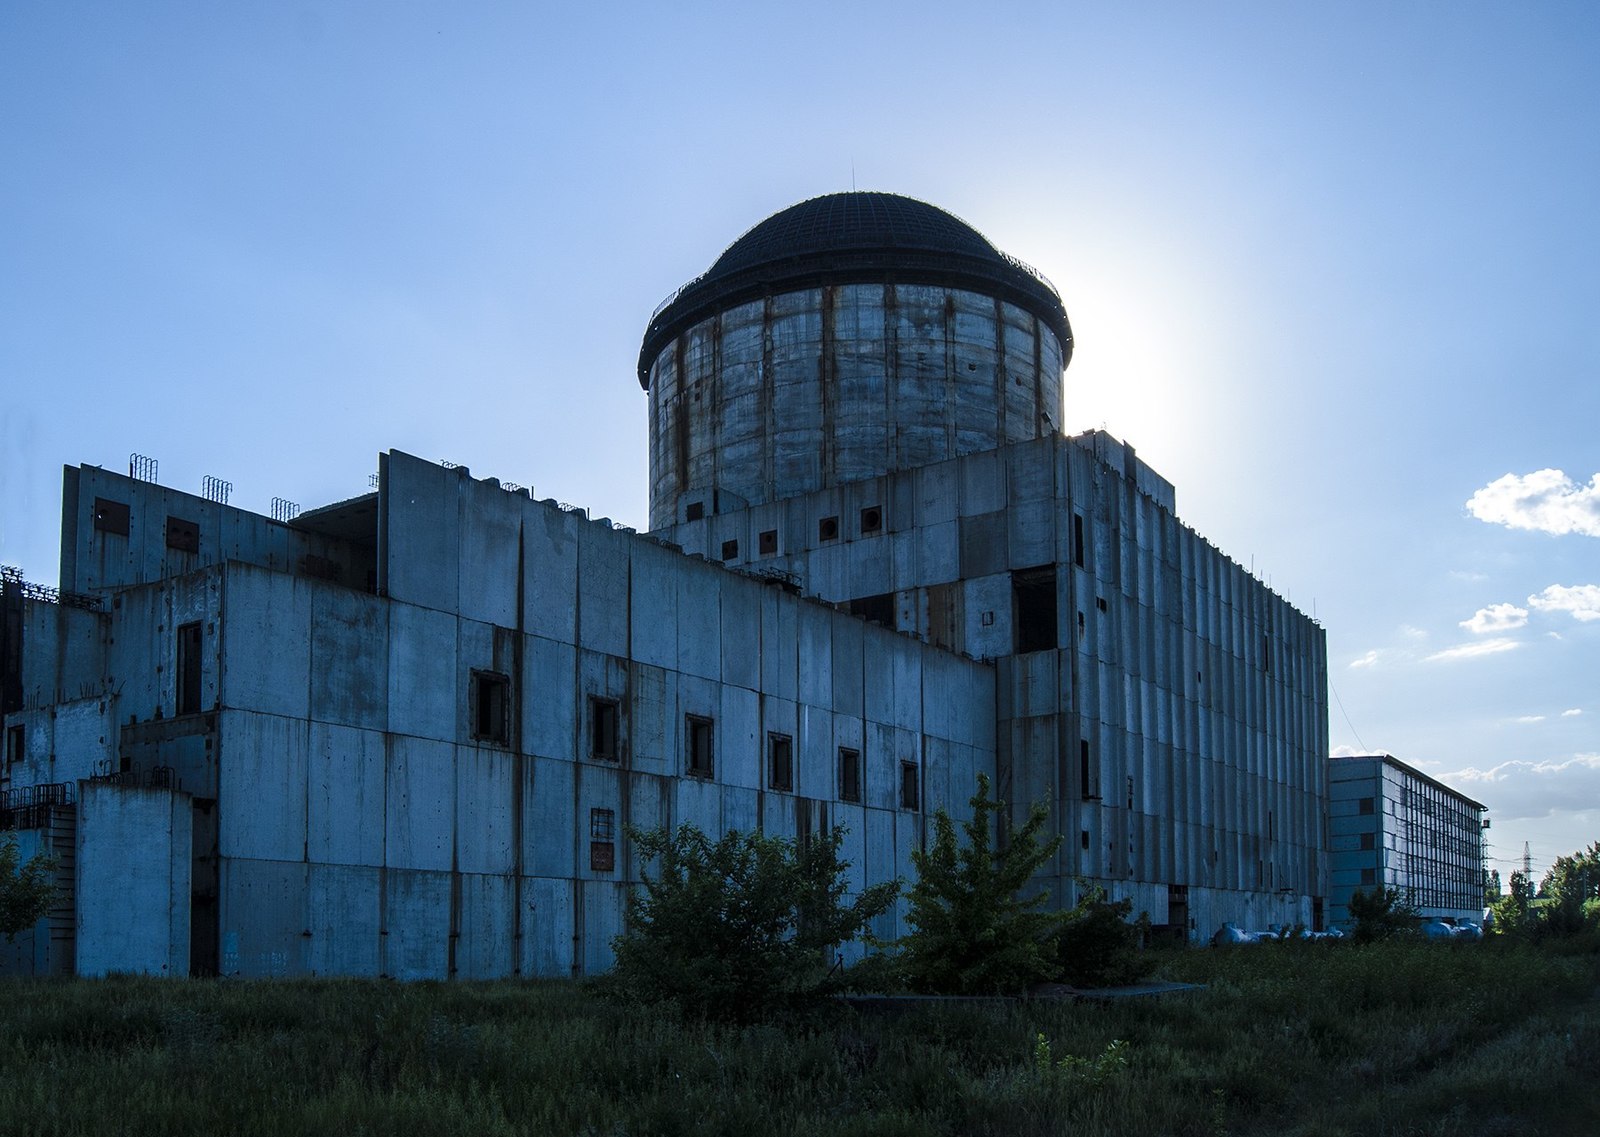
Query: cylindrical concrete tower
x,y
840,339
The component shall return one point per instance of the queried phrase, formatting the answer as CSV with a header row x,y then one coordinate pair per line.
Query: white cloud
x,y
1412,632
1581,601
1529,790
1469,577
1546,500
1473,650
1572,714
1366,660
1529,718
1350,752
1496,618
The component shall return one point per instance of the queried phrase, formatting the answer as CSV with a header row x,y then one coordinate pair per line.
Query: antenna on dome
x,y
852,174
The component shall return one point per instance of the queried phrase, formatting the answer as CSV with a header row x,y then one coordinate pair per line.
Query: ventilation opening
x,y
768,542
828,529
1033,609
730,550
871,519
111,516
696,511
184,536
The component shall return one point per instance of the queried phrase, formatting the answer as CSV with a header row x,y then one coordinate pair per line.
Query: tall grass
x,y
1286,1039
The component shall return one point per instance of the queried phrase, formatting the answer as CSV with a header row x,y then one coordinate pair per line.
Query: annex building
x,y
404,734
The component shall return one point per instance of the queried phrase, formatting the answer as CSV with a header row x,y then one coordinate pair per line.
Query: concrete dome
x,y
855,237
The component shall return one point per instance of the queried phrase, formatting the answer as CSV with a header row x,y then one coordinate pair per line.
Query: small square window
x,y
602,825
849,774
491,707
780,762
184,536
1364,806
696,510
1369,876
730,550
910,790
768,542
1367,841
697,745
603,729
111,516
1100,603
871,519
828,529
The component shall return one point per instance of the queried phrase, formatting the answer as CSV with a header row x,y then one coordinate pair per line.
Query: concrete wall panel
x,y
345,788
416,931
132,886
420,803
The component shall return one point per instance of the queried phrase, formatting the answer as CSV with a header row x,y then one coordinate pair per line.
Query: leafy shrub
x,y
739,927
972,934
1098,946
25,892
1380,914
1088,1073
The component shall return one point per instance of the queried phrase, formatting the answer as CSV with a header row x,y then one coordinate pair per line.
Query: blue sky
x,y
1333,270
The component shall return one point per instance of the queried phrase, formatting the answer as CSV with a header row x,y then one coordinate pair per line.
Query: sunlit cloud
x,y
1581,602
1412,632
1366,660
1546,501
1469,577
1523,790
1572,714
1496,618
1351,752
1473,650
1528,718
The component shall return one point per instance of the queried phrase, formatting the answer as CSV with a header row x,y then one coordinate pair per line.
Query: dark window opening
x,y
16,743
320,568
184,536
1368,842
1369,876
871,519
491,707
1130,792
780,762
1033,609
603,729
111,516
828,529
730,550
1266,654
1077,539
188,669
875,609
697,745
1100,603
910,795
696,511
1085,838
1364,806
1085,787
768,542
849,775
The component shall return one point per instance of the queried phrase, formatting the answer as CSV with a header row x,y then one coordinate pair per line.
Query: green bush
x,y
1098,946
1380,914
972,934
25,892
740,927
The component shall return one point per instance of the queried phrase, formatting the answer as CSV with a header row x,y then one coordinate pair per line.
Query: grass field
x,y
1293,1039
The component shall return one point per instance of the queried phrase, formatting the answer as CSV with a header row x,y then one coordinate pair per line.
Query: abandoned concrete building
x,y
403,734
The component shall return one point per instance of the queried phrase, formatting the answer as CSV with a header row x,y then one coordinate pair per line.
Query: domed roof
x,y
854,237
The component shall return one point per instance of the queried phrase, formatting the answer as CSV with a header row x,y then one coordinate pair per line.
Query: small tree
x,y
1099,945
1381,913
972,933
25,892
739,927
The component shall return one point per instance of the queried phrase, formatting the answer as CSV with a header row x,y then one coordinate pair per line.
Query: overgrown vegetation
x,y
26,891
1380,914
1099,942
973,933
1565,907
1304,1040
739,927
